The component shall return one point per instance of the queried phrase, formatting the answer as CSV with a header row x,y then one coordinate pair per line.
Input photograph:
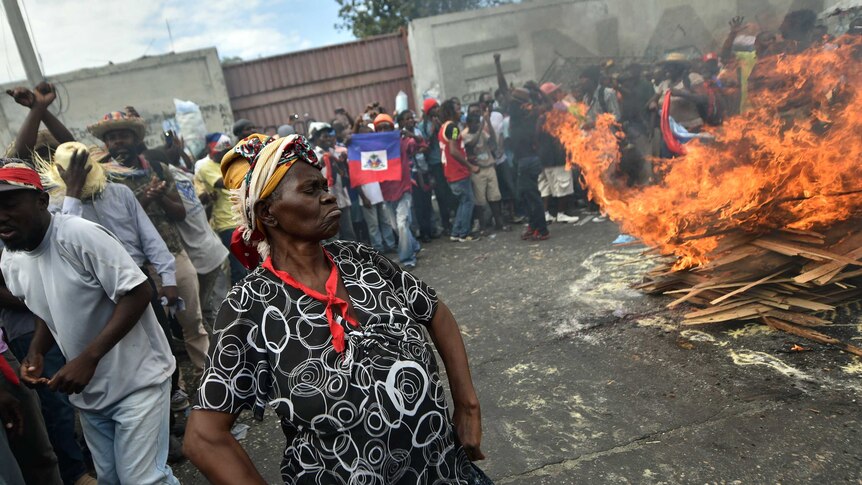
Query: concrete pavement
x,y
583,380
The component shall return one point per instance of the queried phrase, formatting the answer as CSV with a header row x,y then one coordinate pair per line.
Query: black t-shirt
x,y
633,104
550,150
522,130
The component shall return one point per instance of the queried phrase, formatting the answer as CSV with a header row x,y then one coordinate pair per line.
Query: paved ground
x,y
583,380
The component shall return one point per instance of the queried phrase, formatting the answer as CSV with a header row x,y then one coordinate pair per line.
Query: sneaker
x,y
179,401
567,218
518,219
600,218
549,217
528,233
467,238
537,236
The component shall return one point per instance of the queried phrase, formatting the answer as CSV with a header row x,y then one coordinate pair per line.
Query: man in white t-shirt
x,y
93,301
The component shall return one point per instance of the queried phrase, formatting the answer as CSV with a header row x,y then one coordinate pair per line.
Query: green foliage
x,y
226,61
375,17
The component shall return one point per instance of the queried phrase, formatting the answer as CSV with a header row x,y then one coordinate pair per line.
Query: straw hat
x,y
118,120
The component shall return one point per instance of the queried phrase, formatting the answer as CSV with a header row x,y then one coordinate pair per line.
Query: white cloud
x,y
73,34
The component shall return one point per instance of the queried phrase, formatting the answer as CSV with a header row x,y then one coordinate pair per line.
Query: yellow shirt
x,y
747,61
206,177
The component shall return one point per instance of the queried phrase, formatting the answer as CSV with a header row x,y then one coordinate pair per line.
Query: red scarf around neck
x,y
332,302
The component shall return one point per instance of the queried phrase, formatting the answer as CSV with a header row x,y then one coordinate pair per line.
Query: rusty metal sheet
x,y
315,82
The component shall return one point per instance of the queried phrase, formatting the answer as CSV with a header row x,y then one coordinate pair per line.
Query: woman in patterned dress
x,y
332,337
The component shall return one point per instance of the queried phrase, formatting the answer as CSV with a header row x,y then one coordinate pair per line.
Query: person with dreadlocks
x,y
331,335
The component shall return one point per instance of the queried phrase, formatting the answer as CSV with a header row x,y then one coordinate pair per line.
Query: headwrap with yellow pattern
x,y
266,163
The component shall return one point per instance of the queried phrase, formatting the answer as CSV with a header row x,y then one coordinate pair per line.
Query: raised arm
x,y
29,130
54,125
501,78
467,415
736,25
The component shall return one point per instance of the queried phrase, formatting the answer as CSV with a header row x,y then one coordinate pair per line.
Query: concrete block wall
x,y
149,84
454,52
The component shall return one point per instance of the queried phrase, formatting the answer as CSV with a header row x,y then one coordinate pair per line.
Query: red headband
x,y
23,177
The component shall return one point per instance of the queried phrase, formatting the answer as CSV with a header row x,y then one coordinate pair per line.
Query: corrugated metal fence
x,y
318,81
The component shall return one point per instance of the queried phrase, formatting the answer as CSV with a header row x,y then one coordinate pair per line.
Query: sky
x,y
73,34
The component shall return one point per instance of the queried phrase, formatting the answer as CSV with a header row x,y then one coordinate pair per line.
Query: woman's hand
x,y
468,427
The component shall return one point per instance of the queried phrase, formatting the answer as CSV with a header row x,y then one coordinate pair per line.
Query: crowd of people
x,y
118,257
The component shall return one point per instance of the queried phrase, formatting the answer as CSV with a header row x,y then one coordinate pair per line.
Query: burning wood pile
x,y
765,222
781,279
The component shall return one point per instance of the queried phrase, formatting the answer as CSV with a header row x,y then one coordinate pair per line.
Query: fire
x,y
789,162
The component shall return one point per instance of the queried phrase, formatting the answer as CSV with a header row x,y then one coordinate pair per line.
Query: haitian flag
x,y
374,157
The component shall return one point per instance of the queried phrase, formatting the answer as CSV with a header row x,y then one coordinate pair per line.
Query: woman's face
x,y
301,207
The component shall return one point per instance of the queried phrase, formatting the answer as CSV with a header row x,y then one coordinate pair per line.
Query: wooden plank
x,y
726,285
847,275
803,238
804,251
811,335
718,309
750,310
825,279
685,298
827,268
803,233
808,304
732,257
748,286
803,319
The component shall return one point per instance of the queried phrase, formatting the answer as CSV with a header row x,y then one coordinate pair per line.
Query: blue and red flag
x,y
374,157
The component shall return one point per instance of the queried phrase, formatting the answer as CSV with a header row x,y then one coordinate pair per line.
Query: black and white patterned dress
x,y
375,414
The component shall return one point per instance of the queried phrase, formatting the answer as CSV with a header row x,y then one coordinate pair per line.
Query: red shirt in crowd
x,y
453,169
393,190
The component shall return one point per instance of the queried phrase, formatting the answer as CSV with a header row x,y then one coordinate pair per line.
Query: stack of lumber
x,y
784,279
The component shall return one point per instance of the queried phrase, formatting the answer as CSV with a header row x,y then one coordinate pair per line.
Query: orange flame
x,y
791,161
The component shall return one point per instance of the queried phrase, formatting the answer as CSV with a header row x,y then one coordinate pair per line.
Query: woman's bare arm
x,y
210,446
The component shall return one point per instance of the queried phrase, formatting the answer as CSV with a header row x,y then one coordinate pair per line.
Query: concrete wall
x,y
150,85
455,51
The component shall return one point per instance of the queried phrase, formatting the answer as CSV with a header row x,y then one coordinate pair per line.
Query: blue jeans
x,y
407,244
463,191
237,270
129,439
380,230
58,413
